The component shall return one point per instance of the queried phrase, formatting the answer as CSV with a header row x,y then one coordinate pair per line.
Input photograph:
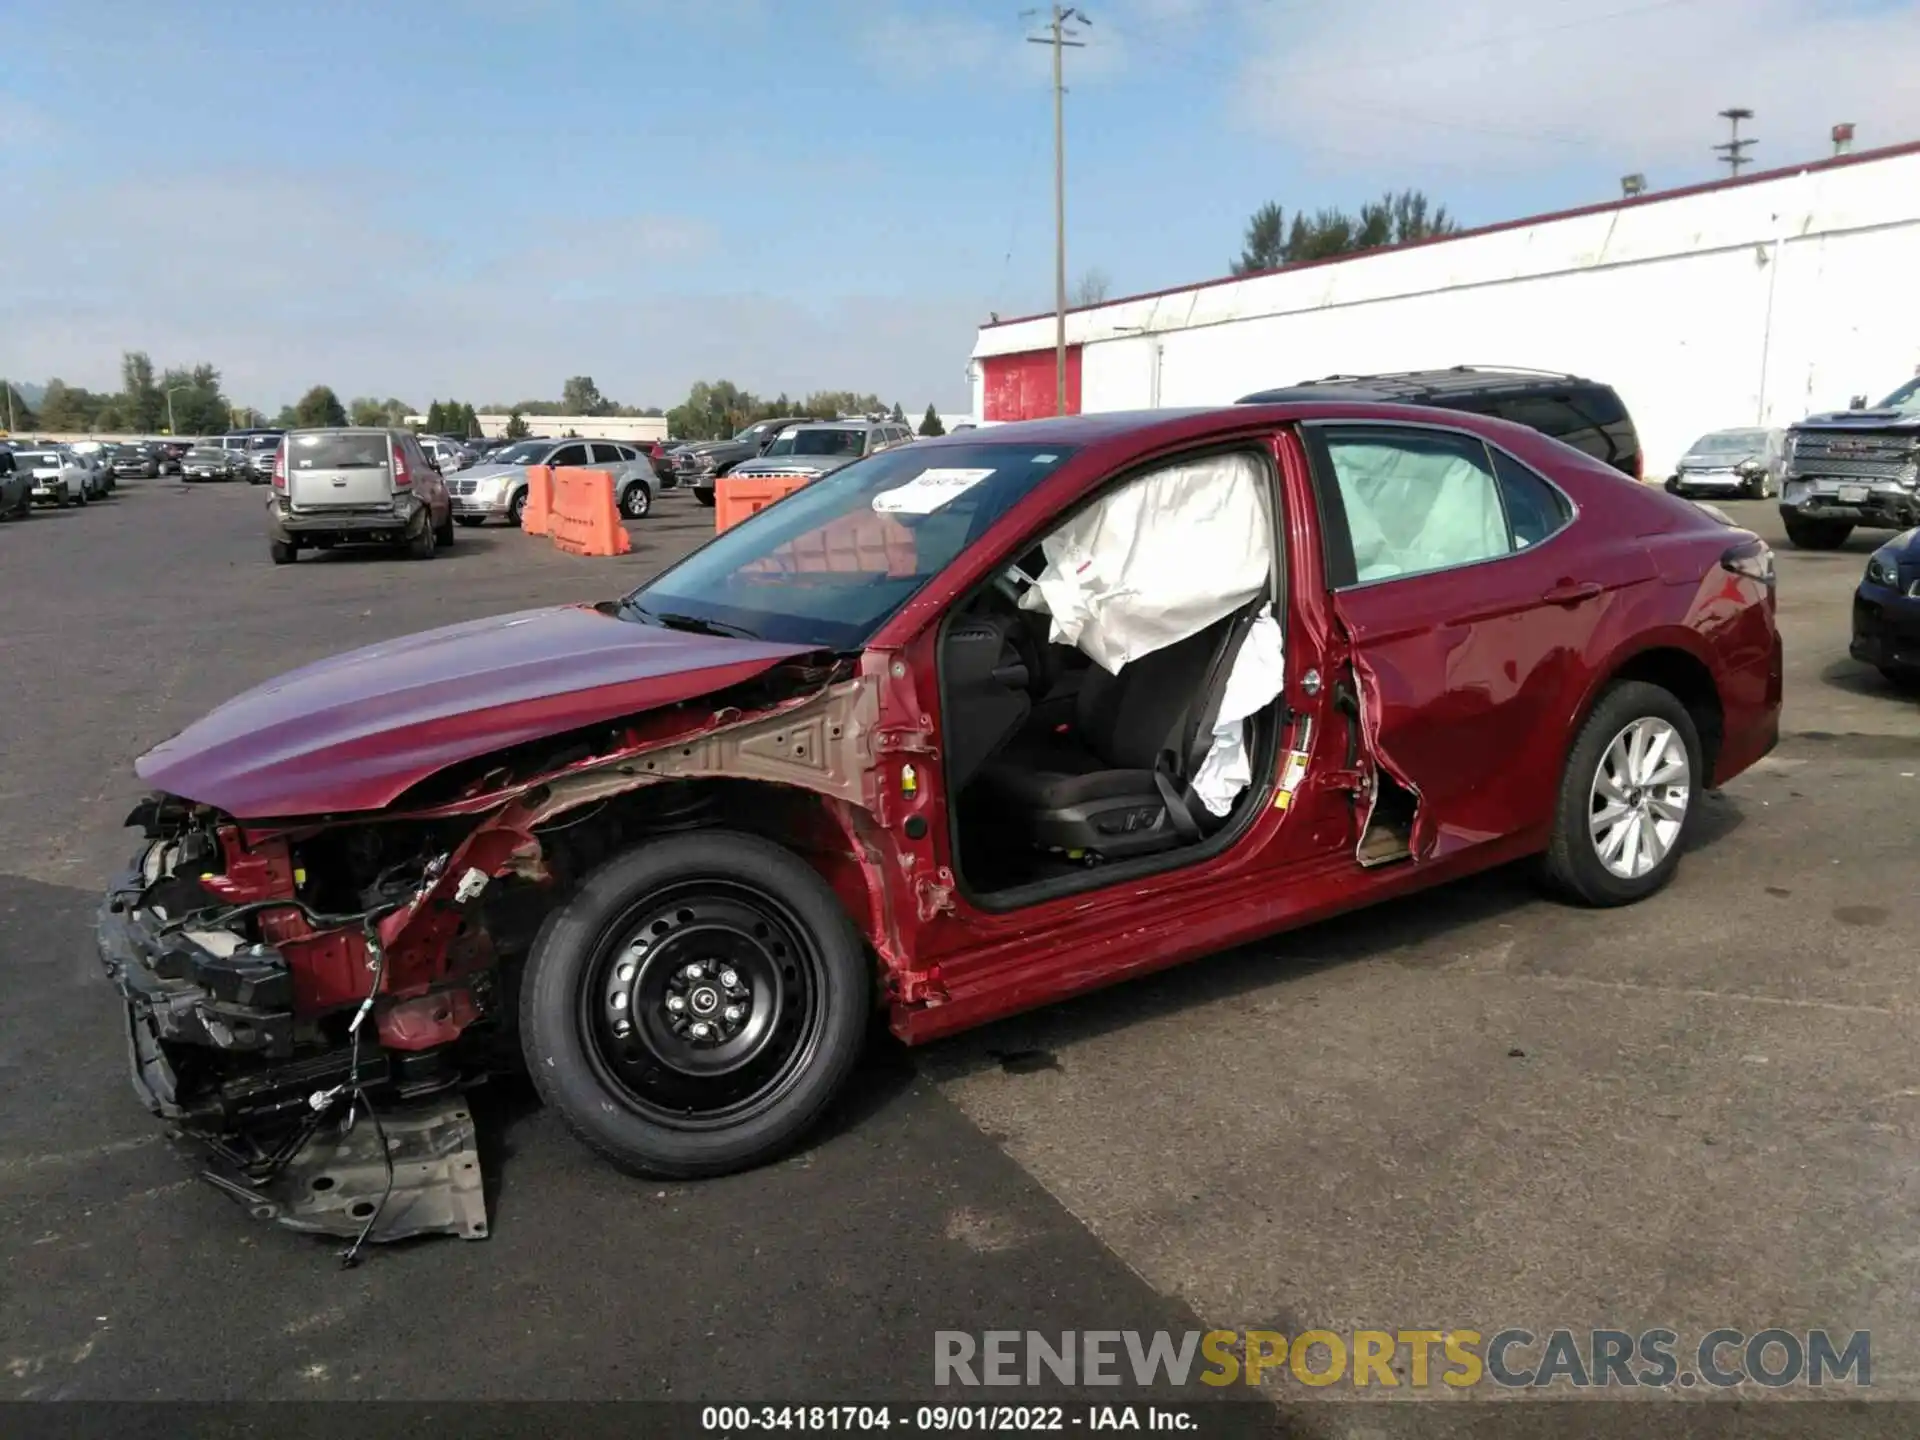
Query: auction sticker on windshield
x,y
928,491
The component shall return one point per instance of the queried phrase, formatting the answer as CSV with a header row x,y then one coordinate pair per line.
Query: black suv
x,y
1582,413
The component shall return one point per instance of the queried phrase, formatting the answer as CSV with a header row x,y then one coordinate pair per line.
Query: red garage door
x,y
1024,386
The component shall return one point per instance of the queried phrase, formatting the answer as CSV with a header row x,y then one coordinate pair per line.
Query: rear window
x,y
339,452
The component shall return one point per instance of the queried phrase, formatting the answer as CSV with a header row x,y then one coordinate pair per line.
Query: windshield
x,y
35,457
1906,399
264,442
819,442
830,563
205,452
1731,442
527,452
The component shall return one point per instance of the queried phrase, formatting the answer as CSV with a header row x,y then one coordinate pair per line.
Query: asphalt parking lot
x,y
1476,1109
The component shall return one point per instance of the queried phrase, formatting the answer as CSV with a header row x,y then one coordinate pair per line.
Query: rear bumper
x,y
1886,629
358,524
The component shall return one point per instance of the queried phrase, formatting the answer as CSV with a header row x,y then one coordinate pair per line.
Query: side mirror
x,y
1858,402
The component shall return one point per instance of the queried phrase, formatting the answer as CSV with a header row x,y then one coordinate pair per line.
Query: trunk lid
x,y
339,469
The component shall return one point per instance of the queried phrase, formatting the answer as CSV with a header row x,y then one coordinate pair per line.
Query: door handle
x,y
1571,592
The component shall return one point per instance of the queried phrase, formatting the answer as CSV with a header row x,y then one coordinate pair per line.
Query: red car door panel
x,y
1467,673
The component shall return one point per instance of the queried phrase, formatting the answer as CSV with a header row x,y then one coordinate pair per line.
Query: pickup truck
x,y
1855,467
698,464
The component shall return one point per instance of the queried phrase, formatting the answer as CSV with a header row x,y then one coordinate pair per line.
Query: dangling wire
x,y
357,1095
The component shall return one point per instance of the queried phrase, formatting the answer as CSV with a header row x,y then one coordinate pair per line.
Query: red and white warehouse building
x,y
1749,301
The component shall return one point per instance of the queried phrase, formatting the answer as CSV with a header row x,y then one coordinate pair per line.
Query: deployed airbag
x,y
1412,509
1258,672
1157,560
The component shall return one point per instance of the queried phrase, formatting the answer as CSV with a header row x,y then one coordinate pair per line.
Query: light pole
x,y
173,429
1061,39
9,385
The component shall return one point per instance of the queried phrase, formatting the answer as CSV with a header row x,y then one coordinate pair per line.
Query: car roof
x,y
1420,384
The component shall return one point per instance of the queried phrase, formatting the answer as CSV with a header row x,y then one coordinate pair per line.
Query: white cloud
x,y
285,283
1484,86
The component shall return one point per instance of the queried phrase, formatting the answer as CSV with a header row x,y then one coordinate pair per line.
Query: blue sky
x,y
478,198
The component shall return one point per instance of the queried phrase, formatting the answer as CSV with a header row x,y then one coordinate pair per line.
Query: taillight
x,y
280,469
401,479
1751,558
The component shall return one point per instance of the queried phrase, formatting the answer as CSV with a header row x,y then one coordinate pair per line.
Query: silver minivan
x,y
355,486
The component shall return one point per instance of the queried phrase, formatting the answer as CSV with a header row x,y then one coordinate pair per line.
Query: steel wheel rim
x,y
715,947
1637,804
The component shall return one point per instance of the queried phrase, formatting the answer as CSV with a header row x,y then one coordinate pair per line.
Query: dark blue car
x,y
1886,611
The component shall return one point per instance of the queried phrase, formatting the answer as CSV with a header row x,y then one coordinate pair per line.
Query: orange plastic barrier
x,y
533,515
735,497
586,517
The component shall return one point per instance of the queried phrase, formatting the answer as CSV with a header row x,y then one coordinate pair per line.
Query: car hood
x,y
1862,420
352,732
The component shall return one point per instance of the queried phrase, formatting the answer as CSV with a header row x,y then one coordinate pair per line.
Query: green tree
x,y
930,423
517,428
198,405
15,413
388,414
580,396
144,407
319,406
897,415
436,418
469,421
1396,218
67,407
1265,245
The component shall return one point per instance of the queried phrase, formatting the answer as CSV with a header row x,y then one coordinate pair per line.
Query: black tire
x,y
470,521
283,552
637,501
801,968
1573,865
1816,534
1901,677
516,507
705,497
443,536
424,545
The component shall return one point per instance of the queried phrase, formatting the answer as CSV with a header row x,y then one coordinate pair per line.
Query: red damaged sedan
x,y
966,727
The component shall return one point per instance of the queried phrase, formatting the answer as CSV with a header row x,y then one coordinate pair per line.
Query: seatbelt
x,y
1173,774
1174,794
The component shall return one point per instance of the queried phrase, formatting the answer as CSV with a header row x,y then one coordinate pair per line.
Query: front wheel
x,y
696,1006
637,501
1816,534
1627,797
516,507
705,497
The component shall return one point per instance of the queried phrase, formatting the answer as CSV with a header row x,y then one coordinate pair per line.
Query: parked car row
x,y
47,473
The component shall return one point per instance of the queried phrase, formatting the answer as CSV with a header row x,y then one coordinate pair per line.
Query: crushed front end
x,y
293,1032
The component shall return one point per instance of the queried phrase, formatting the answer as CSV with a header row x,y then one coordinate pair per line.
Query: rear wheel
x,y
422,546
705,497
637,501
696,1006
282,551
1901,677
1627,797
444,535
1816,534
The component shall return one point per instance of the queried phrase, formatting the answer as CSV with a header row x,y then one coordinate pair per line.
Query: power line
x,y
1062,38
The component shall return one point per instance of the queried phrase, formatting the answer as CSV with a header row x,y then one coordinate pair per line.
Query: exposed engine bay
x,y
313,1000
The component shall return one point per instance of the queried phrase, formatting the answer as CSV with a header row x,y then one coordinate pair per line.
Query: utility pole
x,y
9,385
1734,152
1061,38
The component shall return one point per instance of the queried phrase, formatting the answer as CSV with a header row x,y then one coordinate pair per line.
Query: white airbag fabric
x,y
1258,672
1411,511
1157,560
